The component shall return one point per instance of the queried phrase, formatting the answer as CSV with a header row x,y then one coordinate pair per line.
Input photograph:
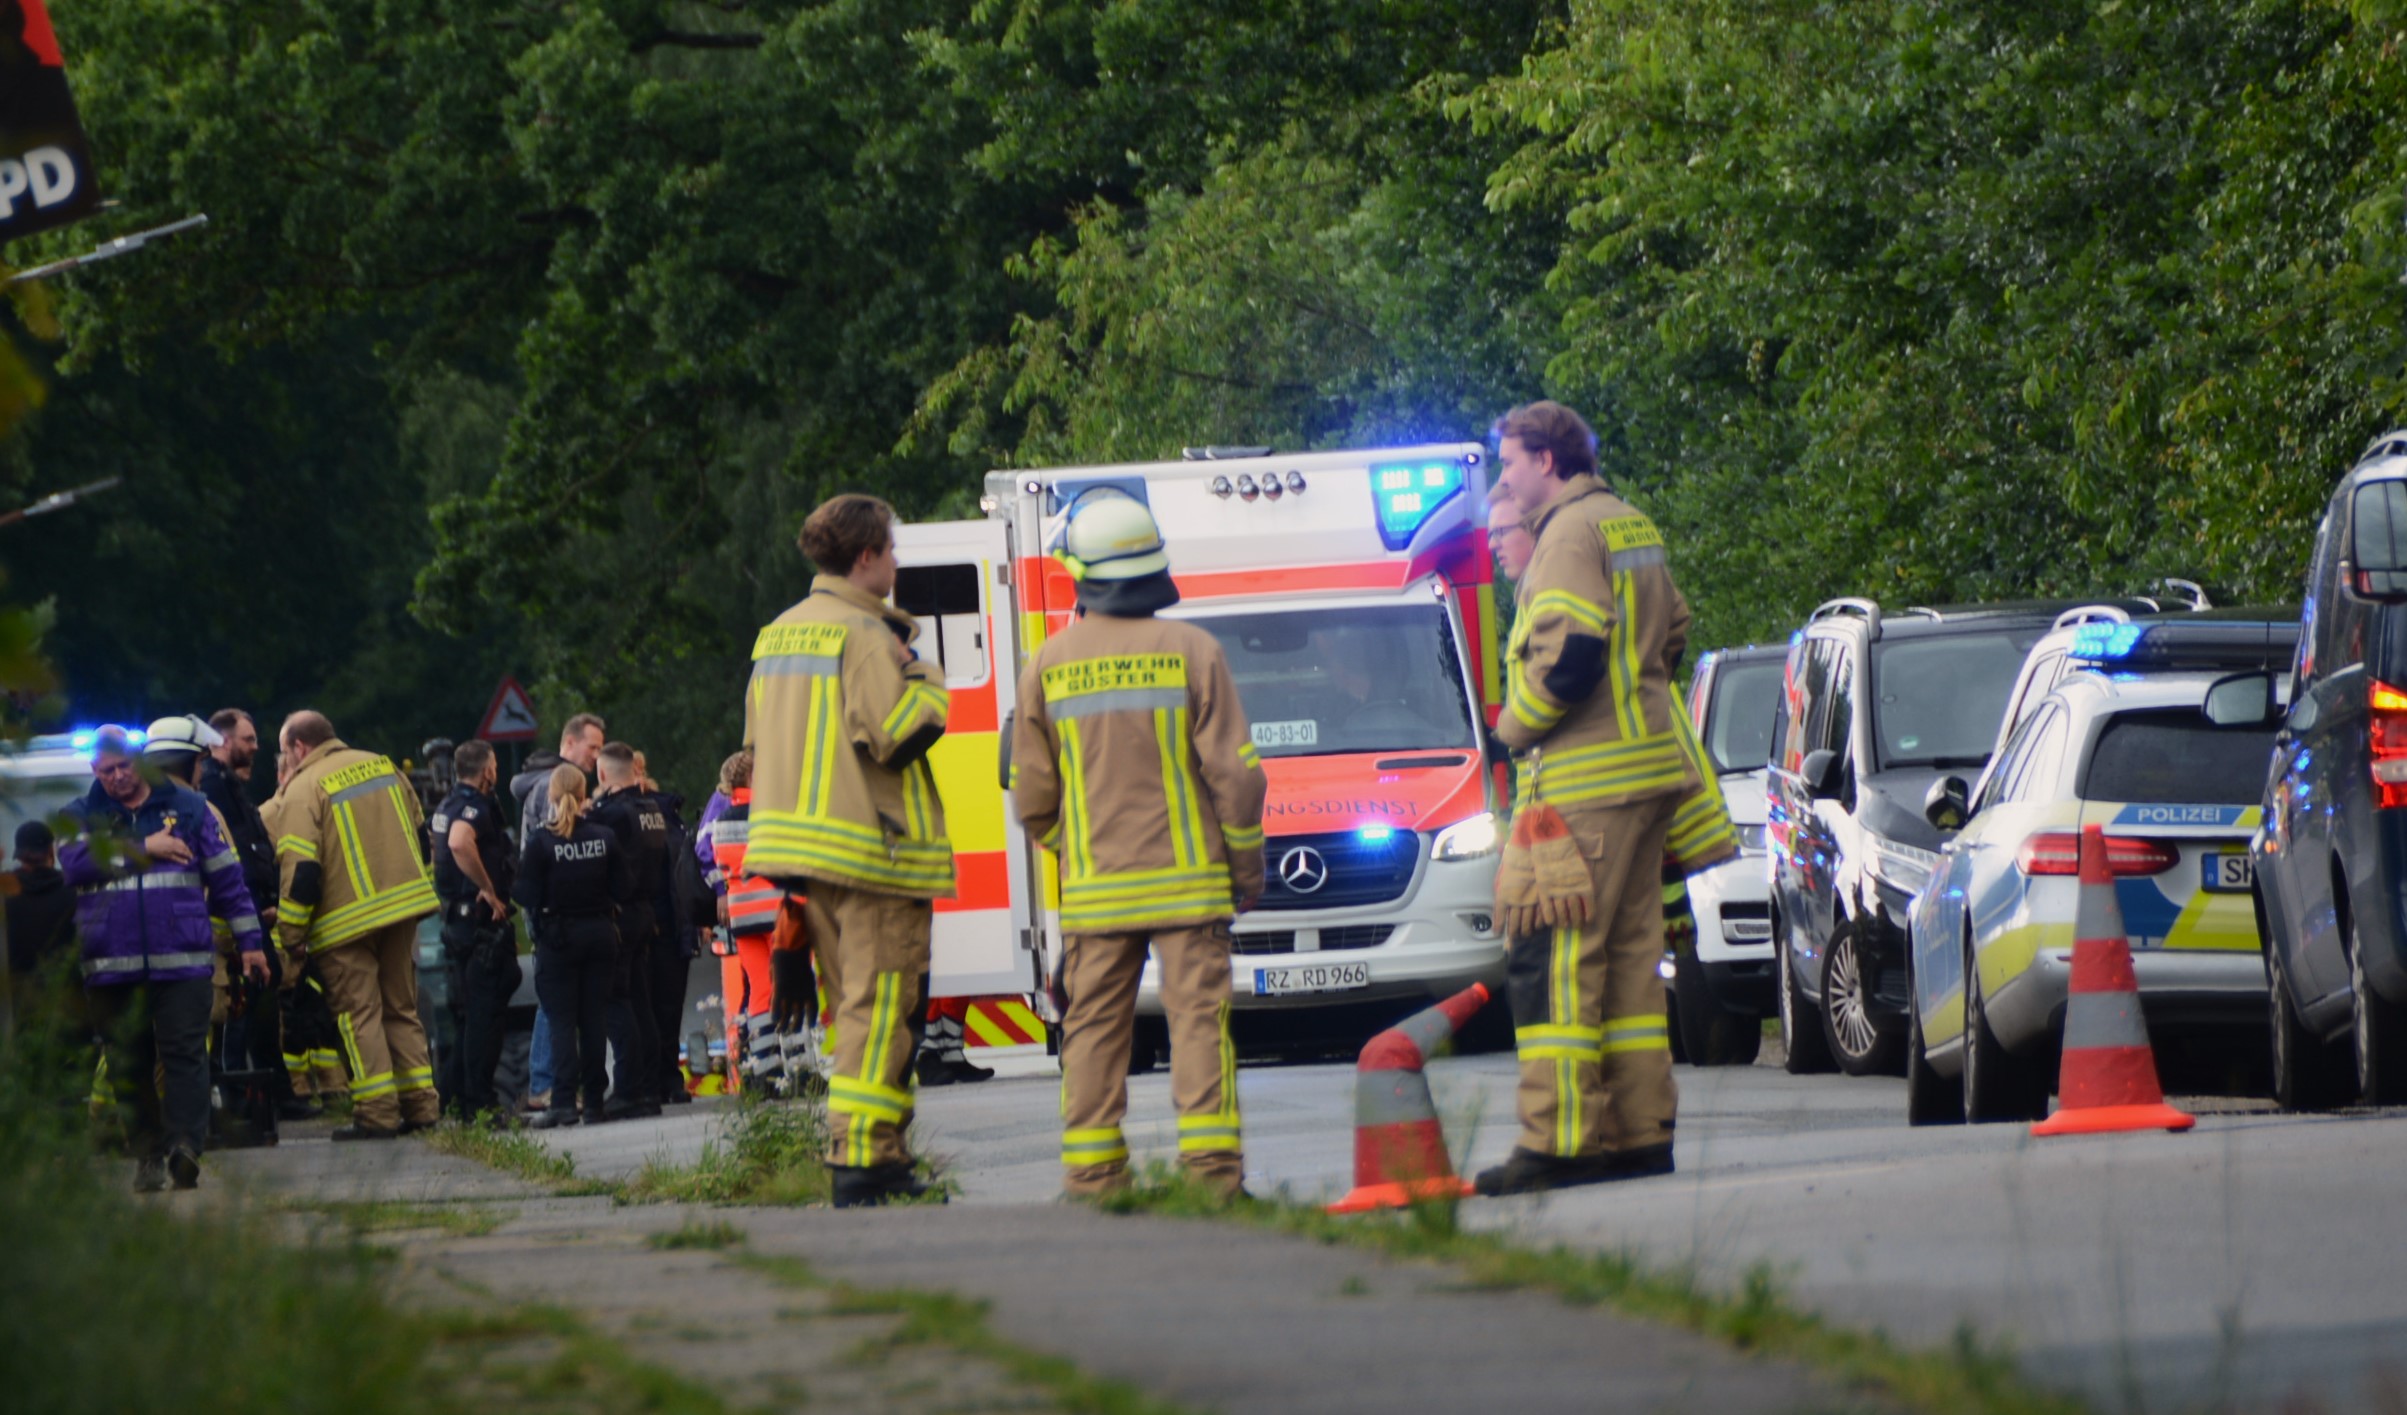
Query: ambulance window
x,y
945,600
1370,678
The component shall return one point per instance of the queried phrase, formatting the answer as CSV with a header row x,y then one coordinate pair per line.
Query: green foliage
x,y
767,1152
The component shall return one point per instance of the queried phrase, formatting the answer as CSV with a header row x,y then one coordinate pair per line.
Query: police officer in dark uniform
x,y
474,872
574,880
621,807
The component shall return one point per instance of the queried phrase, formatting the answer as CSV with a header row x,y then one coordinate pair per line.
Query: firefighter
x,y
623,808
1133,763
840,714
354,887
474,870
1598,634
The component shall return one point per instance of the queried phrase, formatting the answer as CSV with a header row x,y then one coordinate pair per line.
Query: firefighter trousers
x,y
1100,973
312,1049
873,962
1588,1008
372,987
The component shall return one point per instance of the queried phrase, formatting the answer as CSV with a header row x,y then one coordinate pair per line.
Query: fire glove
x,y
1543,882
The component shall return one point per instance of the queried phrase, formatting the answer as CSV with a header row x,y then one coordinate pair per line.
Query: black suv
x,y
2331,852
1875,708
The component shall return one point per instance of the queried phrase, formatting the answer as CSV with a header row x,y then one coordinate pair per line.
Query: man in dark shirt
x,y
622,808
473,874
41,915
255,1040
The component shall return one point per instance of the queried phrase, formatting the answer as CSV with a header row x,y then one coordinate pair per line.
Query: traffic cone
x,y
1399,1148
2108,1081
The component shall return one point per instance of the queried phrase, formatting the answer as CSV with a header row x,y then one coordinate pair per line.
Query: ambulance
x,y
1353,594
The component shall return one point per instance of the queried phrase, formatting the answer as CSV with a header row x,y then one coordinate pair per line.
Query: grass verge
x,y
1965,1376
697,1234
767,1152
362,1217
939,1318
513,1152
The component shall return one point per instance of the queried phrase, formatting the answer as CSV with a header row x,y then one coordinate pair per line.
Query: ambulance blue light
x,y
1375,834
2106,643
1405,495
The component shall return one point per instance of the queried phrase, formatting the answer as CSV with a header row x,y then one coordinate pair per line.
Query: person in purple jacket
x,y
149,866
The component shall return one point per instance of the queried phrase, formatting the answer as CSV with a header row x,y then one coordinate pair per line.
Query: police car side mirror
x,y
1947,805
1822,770
2241,700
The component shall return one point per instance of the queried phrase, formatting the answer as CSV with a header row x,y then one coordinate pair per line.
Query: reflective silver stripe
x,y
2104,1019
244,923
1638,557
219,861
155,960
809,665
385,781
726,832
163,879
1117,700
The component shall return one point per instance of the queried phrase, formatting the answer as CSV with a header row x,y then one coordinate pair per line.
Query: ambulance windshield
x,y
1373,678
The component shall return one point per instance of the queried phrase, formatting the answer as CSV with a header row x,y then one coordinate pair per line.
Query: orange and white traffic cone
x,y
1399,1147
2108,1081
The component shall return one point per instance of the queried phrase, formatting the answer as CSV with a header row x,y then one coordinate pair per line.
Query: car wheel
x,y
1710,1033
2380,1032
1931,1099
2308,1073
1857,1042
1800,1029
1998,1085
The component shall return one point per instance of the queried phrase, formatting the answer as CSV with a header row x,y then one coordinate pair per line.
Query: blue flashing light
x,y
82,740
1375,834
1405,495
2106,643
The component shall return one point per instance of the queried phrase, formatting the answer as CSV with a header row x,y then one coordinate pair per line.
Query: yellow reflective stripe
x,y
1562,1013
1102,1145
374,1087
849,1096
349,921
416,1078
355,855
1178,786
816,640
1228,1068
299,845
1080,862
1242,837
1247,755
1579,611
1647,1031
1622,651
1539,718
350,1039
920,704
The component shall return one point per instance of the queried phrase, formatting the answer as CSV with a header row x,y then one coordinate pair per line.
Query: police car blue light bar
x,y
1406,494
2192,643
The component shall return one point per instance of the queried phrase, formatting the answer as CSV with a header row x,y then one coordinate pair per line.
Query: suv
x,y
1874,709
2331,854
1722,989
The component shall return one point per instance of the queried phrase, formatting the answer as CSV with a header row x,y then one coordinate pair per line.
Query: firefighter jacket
x,y
1133,763
151,921
752,902
347,833
840,732
1599,629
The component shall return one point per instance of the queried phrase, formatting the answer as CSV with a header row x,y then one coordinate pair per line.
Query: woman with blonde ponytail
x,y
572,881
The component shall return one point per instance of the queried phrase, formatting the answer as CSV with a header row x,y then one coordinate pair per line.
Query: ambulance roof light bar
x,y
1218,453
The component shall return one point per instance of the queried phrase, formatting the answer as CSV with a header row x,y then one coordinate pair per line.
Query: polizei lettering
x,y
581,850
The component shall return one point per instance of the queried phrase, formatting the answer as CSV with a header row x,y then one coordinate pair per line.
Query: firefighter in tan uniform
x,y
1133,763
840,714
1598,635
354,888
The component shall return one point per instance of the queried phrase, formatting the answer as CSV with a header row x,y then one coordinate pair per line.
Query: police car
x,y
39,777
2124,742
1722,989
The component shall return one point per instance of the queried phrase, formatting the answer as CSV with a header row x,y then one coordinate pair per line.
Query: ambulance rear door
x,y
953,581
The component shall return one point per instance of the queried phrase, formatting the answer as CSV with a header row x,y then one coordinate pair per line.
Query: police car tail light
x,y
2387,712
2058,852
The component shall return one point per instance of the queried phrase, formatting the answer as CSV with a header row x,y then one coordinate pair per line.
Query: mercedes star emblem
x,y
1303,870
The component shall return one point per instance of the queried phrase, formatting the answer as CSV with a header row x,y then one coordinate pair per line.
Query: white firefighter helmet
x,y
1110,535
182,735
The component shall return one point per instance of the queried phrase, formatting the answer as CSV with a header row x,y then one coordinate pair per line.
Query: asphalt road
x,y
2248,1264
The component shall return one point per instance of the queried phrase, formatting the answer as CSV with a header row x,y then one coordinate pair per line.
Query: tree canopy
x,y
523,334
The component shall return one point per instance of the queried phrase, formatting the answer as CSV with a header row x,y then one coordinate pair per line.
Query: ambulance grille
x,y
1352,869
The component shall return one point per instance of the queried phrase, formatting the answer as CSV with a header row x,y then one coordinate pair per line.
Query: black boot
x,y
852,1186
184,1167
555,1118
1528,1172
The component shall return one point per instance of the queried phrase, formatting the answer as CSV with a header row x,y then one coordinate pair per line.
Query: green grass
x,y
940,1318
545,1361
362,1217
697,1234
1758,1317
513,1152
769,1152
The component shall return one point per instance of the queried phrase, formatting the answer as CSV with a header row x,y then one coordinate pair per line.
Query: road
x,y
2243,1265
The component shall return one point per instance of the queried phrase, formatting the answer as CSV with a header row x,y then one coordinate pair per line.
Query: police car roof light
x,y
2186,643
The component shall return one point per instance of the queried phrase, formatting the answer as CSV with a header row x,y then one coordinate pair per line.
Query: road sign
x,y
511,718
46,176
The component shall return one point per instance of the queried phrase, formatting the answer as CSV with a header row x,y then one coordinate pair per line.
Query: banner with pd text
x,y
46,174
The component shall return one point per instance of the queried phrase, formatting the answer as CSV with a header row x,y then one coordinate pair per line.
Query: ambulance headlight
x,y
1467,839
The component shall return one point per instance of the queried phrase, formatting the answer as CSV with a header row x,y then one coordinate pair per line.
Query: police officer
x,y
1598,634
842,712
623,808
1133,763
574,879
474,872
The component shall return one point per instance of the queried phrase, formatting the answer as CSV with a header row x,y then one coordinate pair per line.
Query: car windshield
x,y
2177,758
1369,679
1937,701
1738,722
